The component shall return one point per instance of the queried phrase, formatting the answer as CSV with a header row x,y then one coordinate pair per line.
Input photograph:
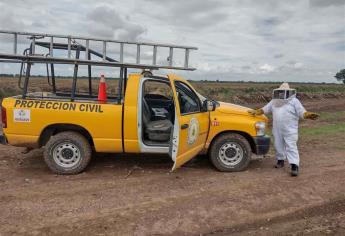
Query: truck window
x,y
157,90
158,112
188,100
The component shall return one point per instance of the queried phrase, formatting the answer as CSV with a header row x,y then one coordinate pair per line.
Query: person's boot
x,y
280,164
294,170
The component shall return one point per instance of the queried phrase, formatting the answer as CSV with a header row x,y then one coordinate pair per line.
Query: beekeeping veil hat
x,y
283,94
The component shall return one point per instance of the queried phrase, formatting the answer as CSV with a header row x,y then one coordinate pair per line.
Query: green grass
x,y
328,131
332,116
330,123
324,130
340,148
334,131
335,125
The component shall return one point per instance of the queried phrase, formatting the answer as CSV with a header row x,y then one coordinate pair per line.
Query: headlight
x,y
260,128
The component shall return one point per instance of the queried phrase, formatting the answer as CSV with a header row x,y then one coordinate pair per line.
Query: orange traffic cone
x,y
102,90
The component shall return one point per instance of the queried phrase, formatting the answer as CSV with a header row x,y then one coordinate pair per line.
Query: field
x,y
138,195
235,92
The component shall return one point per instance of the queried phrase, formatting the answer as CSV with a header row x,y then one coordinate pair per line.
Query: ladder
x,y
82,44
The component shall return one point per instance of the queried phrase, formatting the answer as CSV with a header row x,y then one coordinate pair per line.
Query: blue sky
x,y
267,40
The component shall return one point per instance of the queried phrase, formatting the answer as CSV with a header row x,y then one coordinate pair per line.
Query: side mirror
x,y
209,105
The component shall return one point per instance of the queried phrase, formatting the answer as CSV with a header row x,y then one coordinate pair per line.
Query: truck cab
x,y
161,114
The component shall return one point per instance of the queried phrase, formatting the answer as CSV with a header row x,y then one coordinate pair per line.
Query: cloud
x,y
192,14
266,68
107,22
8,21
246,67
278,55
237,40
323,3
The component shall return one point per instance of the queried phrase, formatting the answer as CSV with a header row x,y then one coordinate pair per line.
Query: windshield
x,y
202,98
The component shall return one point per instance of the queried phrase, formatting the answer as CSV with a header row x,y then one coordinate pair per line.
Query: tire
x,y
67,153
230,153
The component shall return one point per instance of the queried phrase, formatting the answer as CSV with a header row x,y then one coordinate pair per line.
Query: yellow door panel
x,y
192,136
191,123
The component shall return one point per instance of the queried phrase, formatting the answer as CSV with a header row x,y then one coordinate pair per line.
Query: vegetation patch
x,y
332,116
324,130
234,92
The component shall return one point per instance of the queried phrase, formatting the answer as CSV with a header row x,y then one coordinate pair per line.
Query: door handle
x,y
184,126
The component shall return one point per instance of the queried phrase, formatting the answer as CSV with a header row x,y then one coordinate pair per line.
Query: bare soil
x,y
138,195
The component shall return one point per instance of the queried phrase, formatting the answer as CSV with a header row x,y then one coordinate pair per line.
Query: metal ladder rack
x,y
83,44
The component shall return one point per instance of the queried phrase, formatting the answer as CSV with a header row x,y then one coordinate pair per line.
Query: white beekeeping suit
x,y
286,111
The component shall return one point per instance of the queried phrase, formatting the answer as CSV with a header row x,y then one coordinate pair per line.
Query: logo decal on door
x,y
193,131
21,115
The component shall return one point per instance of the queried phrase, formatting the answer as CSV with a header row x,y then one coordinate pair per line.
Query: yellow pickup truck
x,y
173,119
150,114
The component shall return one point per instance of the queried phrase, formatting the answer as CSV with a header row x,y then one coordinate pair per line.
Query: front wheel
x,y
67,153
230,152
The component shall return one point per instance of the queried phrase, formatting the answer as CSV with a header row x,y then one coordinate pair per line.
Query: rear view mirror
x,y
209,105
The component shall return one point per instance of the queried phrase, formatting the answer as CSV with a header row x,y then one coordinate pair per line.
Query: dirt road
x,y
137,195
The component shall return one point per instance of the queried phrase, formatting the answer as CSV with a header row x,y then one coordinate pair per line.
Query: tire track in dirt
x,y
276,225
243,188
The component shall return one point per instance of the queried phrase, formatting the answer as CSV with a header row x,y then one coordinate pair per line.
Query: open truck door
x,y
191,124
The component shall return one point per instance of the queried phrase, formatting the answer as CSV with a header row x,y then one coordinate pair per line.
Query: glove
x,y
256,112
310,115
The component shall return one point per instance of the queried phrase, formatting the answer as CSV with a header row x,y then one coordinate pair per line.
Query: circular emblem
x,y
22,113
193,131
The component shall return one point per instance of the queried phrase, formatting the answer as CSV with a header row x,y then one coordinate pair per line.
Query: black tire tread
x,y
79,140
234,137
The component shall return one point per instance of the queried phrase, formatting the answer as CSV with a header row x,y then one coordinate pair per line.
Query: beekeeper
x,y
286,110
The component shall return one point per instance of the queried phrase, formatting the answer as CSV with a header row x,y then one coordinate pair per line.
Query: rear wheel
x,y
67,153
230,152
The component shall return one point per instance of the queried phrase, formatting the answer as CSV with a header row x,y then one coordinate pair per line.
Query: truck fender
x,y
58,128
244,134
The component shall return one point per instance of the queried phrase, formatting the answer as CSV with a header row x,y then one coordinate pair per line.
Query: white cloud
x,y
298,65
108,23
266,68
237,40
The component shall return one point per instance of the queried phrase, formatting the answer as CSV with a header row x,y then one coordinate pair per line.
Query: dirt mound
x,y
264,98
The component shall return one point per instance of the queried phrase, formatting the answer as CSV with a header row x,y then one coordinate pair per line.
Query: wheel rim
x,y
66,155
230,154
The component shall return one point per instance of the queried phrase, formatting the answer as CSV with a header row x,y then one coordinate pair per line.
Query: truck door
x,y
191,124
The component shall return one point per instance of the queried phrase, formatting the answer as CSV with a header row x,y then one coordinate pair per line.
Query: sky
x,y
249,40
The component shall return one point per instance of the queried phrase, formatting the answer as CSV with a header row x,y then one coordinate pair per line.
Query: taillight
x,y
3,117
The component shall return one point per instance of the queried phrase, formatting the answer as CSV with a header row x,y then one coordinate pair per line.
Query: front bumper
x,y
262,144
3,139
